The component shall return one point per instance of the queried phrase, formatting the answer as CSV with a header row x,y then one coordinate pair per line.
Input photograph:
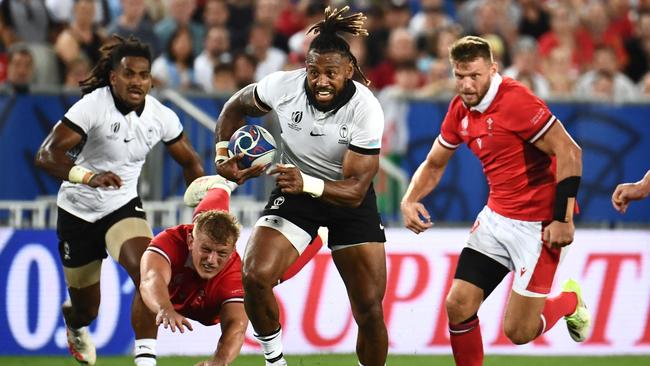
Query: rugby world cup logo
x,y
296,116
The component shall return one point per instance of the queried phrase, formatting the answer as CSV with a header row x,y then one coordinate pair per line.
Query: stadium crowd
x,y
593,49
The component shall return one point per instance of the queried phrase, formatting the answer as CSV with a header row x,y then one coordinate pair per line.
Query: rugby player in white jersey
x,y
331,128
98,149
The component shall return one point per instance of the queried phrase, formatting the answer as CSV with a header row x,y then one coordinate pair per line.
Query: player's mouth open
x,y
324,95
135,92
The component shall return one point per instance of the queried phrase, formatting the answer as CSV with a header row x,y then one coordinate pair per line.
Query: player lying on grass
x,y
192,271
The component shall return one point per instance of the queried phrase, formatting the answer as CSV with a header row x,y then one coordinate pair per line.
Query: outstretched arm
x,y
626,192
155,274
557,142
425,179
52,158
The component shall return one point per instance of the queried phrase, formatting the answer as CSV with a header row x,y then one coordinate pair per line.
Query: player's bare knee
x,y
369,314
256,279
459,308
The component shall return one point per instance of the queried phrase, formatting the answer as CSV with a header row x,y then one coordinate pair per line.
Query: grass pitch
x,y
348,360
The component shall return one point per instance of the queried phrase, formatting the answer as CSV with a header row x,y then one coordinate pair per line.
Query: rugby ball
x,y
255,142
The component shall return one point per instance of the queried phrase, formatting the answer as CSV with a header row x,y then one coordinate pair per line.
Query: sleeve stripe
x,y
543,130
363,150
73,126
233,299
180,136
446,144
258,102
159,251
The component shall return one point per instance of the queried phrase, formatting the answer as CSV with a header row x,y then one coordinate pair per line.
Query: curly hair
x,y
328,40
112,53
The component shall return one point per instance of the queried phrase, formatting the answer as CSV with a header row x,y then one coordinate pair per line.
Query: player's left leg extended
x,y
126,241
363,270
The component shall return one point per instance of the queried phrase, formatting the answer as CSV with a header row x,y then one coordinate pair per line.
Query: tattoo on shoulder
x,y
249,103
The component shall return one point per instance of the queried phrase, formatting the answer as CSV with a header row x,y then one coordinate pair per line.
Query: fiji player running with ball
x,y
331,134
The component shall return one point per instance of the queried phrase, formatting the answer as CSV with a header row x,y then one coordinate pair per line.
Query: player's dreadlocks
x,y
327,39
112,53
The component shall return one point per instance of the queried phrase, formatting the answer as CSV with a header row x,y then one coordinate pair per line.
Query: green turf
x,y
343,360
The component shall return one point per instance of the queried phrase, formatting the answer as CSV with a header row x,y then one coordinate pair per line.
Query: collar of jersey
x,y
341,99
123,108
489,95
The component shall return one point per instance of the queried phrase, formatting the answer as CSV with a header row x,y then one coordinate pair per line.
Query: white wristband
x,y
79,174
219,158
312,185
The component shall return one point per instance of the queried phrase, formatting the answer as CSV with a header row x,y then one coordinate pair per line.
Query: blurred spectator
x,y
78,70
598,32
564,34
377,35
216,51
401,49
25,20
525,67
620,17
241,18
292,17
439,80
430,18
535,19
244,69
397,14
644,87
269,59
638,47
179,15
20,69
173,69
133,21
605,75
560,71
359,50
80,38
300,40
215,14
223,79
394,100
268,12
62,11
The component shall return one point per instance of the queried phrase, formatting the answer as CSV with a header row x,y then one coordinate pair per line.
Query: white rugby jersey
x,y
116,142
316,141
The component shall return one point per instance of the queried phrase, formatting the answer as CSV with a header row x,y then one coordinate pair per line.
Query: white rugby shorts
x,y
518,246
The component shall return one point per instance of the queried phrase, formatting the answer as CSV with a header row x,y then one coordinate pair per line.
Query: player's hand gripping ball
x,y
255,142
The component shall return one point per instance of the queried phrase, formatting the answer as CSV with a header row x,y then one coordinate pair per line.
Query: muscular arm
x,y
155,274
557,142
187,158
51,156
240,105
233,328
358,171
424,180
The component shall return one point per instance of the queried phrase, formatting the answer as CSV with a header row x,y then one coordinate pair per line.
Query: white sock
x,y
145,352
271,346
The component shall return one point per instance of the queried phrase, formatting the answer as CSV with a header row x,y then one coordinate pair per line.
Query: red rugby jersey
x,y
501,131
192,296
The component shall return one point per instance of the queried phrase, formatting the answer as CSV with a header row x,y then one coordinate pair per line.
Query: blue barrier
x,y
615,142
